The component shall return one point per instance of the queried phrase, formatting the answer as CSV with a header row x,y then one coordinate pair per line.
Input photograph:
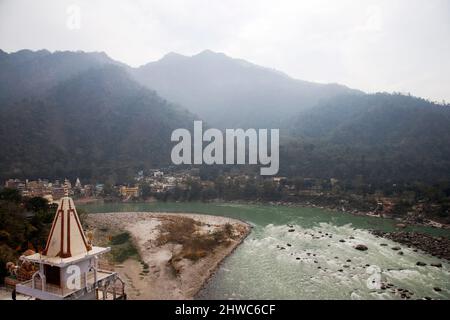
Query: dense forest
x,y
383,138
99,124
24,224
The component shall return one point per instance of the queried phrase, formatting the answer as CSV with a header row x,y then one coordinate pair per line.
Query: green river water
x,y
314,263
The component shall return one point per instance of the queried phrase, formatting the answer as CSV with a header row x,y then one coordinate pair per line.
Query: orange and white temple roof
x,y
66,242
66,238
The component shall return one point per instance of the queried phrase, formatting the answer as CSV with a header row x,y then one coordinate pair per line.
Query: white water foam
x,y
322,263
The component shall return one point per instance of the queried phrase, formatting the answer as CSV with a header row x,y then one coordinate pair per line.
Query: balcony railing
x,y
89,282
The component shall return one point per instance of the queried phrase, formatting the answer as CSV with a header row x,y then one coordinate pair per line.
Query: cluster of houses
x,y
157,181
54,190
160,182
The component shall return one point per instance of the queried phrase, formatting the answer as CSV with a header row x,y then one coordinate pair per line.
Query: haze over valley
x,y
97,117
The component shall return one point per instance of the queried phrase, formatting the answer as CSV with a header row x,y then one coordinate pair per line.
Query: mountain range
x,y
232,93
85,114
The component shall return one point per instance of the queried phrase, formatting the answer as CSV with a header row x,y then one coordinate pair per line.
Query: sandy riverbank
x,y
174,260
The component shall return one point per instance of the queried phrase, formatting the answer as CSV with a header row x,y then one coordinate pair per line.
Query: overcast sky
x,y
373,45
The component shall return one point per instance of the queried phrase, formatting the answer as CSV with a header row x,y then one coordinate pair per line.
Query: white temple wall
x,y
67,272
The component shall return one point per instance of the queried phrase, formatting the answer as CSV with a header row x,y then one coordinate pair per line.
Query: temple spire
x,y
66,238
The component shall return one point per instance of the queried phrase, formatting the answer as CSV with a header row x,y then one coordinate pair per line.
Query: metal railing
x,y
86,281
107,284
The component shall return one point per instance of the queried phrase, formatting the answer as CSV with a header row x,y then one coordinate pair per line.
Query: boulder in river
x,y
361,247
437,265
421,264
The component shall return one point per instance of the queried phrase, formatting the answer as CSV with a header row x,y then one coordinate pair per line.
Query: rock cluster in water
x,y
436,246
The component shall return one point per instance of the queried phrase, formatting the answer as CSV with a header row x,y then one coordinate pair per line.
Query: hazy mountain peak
x,y
27,54
44,53
208,52
99,56
93,53
229,92
210,55
173,56
25,51
28,73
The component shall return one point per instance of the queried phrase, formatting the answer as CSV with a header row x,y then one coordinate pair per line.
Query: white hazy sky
x,y
373,45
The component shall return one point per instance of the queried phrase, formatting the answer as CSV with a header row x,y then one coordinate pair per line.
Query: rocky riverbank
x,y
177,252
438,247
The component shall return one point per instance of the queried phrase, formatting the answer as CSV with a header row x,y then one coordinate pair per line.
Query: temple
x,y
68,267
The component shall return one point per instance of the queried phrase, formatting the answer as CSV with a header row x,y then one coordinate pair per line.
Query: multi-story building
x,y
58,192
127,192
13,183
